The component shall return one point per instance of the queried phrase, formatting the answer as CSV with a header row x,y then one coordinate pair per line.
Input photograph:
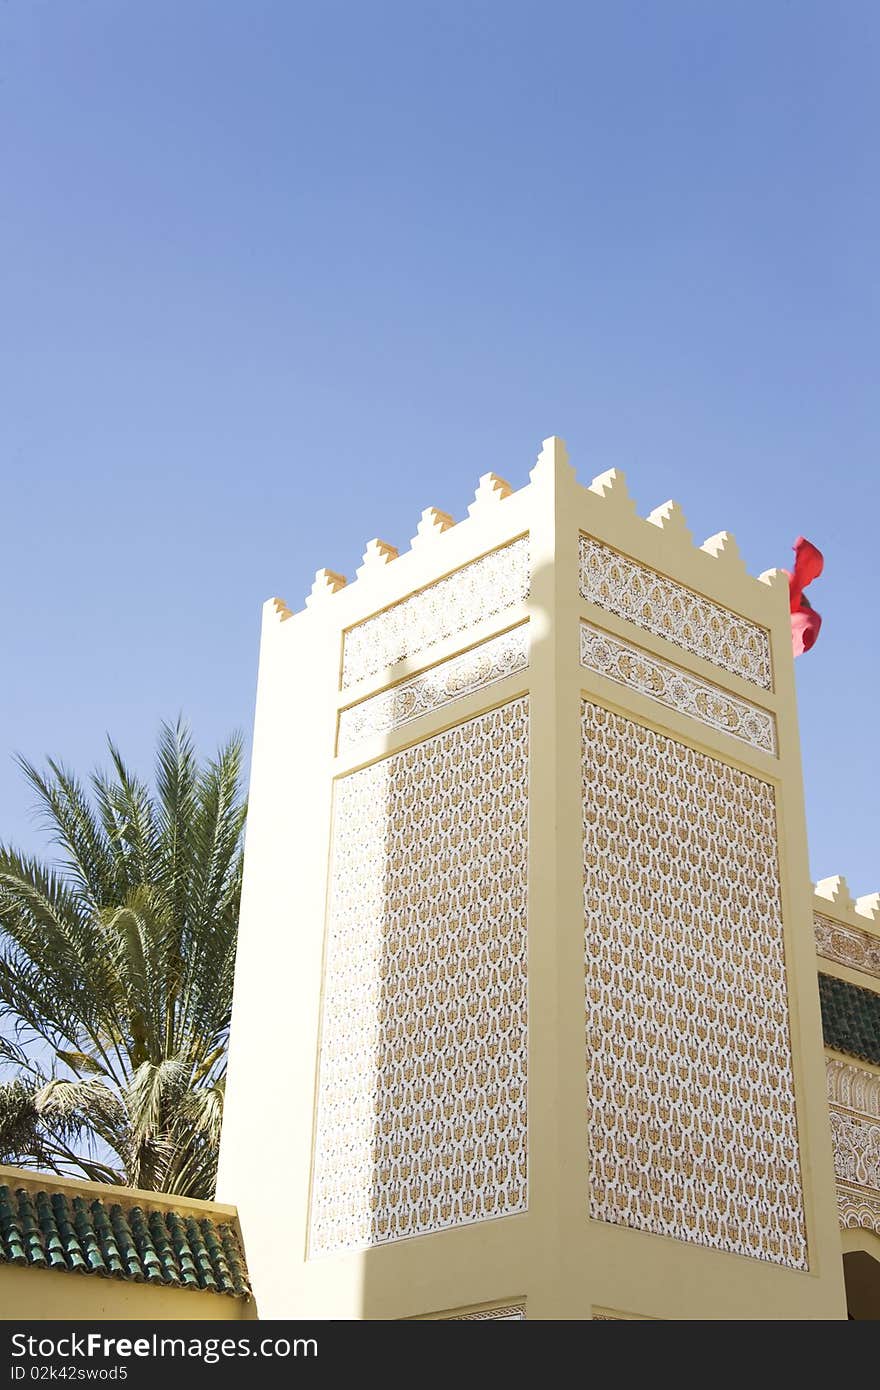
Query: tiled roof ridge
x,y
48,1229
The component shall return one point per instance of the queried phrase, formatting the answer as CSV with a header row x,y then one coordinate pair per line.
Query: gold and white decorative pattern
x,y
856,1149
422,1091
651,601
669,685
483,665
854,1096
513,1312
453,605
854,1088
691,1109
847,945
858,1209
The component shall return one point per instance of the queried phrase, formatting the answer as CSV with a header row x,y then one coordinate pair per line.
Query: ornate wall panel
x,y
854,1096
649,600
856,1149
669,685
489,662
422,1087
453,605
847,945
691,1109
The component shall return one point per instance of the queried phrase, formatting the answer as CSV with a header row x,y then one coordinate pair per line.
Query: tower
x,y
526,1019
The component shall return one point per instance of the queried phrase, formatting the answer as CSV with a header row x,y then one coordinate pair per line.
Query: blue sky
x,y
277,276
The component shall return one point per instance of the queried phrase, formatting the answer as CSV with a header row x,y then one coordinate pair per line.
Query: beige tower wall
x,y
526,1010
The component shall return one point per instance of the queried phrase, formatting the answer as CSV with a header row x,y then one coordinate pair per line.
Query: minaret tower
x,y
526,1017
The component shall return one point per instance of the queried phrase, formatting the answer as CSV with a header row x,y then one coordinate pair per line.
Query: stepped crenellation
x,y
833,896
609,486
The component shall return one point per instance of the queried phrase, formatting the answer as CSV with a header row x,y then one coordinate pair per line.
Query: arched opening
x,y
861,1273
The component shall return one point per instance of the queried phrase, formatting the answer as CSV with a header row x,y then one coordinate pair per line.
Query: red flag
x,y
805,621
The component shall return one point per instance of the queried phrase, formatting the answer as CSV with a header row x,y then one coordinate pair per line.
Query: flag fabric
x,y
805,621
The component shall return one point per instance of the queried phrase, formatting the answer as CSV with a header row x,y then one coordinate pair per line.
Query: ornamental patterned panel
x,y
422,1088
854,1096
482,666
453,605
691,1108
651,601
847,945
856,1149
661,681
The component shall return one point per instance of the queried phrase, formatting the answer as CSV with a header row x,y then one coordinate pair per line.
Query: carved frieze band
x,y
847,945
677,689
854,1088
854,1096
453,605
858,1210
484,665
651,601
512,1312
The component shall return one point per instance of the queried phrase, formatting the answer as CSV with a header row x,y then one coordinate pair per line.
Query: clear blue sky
x,y
276,276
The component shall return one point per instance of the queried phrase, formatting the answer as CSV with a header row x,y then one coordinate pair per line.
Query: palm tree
x,y
116,971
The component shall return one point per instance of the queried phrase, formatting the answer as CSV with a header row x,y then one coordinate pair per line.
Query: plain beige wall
x,y
40,1295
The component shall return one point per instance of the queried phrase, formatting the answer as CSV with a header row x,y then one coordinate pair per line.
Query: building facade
x,y
527,938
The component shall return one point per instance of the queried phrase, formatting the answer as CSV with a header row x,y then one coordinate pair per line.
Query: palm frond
x,y
119,961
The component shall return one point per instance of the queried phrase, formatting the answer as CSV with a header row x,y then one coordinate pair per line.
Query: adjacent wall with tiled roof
x,y
147,1254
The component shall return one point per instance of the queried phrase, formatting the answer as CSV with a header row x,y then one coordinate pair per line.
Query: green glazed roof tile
x,y
46,1218
850,1018
31,1234
47,1229
143,1240
125,1244
73,1254
216,1253
10,1234
233,1259
181,1246
106,1239
201,1254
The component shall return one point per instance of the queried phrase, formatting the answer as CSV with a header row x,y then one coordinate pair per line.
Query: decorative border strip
x,y
449,606
853,1088
511,1312
860,950
651,601
858,1209
669,685
605,1315
481,666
